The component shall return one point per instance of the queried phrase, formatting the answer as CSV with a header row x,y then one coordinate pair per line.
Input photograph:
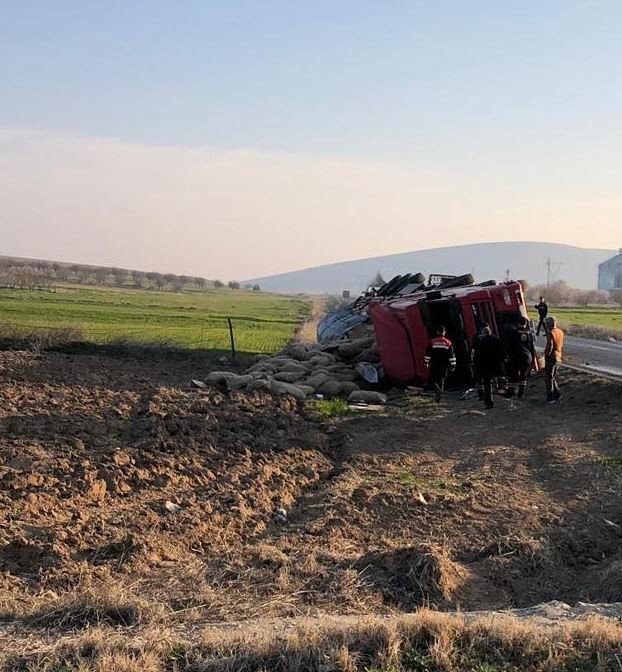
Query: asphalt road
x,y
596,356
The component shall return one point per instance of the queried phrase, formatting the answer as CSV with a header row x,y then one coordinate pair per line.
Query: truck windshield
x,y
483,314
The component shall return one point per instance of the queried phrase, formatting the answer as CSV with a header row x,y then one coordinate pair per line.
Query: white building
x,y
610,273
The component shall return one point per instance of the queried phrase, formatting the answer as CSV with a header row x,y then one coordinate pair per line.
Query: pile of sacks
x,y
346,369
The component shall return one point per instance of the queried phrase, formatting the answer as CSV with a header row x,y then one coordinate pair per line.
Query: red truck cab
x,y
405,325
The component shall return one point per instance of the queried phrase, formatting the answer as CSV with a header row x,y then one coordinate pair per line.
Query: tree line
x,y
560,293
45,275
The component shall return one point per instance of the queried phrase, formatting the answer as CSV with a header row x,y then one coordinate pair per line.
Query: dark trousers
x,y
551,370
437,381
478,381
541,325
487,381
518,370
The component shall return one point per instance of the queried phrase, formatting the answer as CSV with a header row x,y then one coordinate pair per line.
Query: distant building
x,y
345,294
610,273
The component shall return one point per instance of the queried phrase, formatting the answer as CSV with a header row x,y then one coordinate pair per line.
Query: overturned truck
x,y
406,312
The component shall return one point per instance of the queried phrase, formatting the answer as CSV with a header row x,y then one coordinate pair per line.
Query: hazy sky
x,y
234,139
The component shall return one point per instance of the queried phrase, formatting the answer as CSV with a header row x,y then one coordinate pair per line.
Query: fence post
x,y
231,338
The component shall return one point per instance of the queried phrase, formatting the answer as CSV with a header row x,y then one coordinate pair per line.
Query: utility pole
x,y
552,268
507,275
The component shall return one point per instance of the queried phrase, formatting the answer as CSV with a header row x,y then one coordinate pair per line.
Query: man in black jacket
x,y
488,358
543,311
477,376
521,353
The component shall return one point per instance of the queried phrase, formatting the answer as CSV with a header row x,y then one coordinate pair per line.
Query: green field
x,y
262,322
607,319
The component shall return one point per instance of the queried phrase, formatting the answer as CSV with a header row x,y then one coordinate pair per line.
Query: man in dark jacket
x,y
488,358
477,376
441,360
543,311
521,353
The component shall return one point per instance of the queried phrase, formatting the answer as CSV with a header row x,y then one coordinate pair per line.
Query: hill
x,y
525,260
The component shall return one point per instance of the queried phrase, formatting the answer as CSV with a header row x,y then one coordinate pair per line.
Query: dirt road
x,y
308,332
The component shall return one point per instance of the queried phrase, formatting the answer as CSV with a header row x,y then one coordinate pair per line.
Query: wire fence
x,y
224,334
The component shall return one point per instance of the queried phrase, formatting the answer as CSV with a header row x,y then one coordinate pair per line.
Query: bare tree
x,y
138,279
170,278
218,284
233,284
120,276
83,275
616,296
101,275
74,272
63,272
151,278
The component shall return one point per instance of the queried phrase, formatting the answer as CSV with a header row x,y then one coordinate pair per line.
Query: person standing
x,y
441,360
488,359
521,354
553,355
477,376
543,311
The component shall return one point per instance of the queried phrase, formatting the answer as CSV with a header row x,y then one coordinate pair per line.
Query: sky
x,y
235,139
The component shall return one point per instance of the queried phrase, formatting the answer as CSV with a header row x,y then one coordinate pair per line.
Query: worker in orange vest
x,y
553,354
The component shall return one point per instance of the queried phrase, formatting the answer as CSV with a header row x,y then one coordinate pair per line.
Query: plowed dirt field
x,y
128,498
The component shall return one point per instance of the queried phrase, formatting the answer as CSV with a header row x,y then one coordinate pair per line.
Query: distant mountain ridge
x,y
524,260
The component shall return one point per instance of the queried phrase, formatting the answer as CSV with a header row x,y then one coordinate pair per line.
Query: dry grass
x,y
112,604
414,576
425,641
592,331
38,340
75,340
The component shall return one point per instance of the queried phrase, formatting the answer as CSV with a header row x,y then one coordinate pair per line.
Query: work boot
x,y
521,391
438,393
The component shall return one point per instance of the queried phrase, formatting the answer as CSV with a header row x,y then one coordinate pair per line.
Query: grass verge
x,y
424,642
331,408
